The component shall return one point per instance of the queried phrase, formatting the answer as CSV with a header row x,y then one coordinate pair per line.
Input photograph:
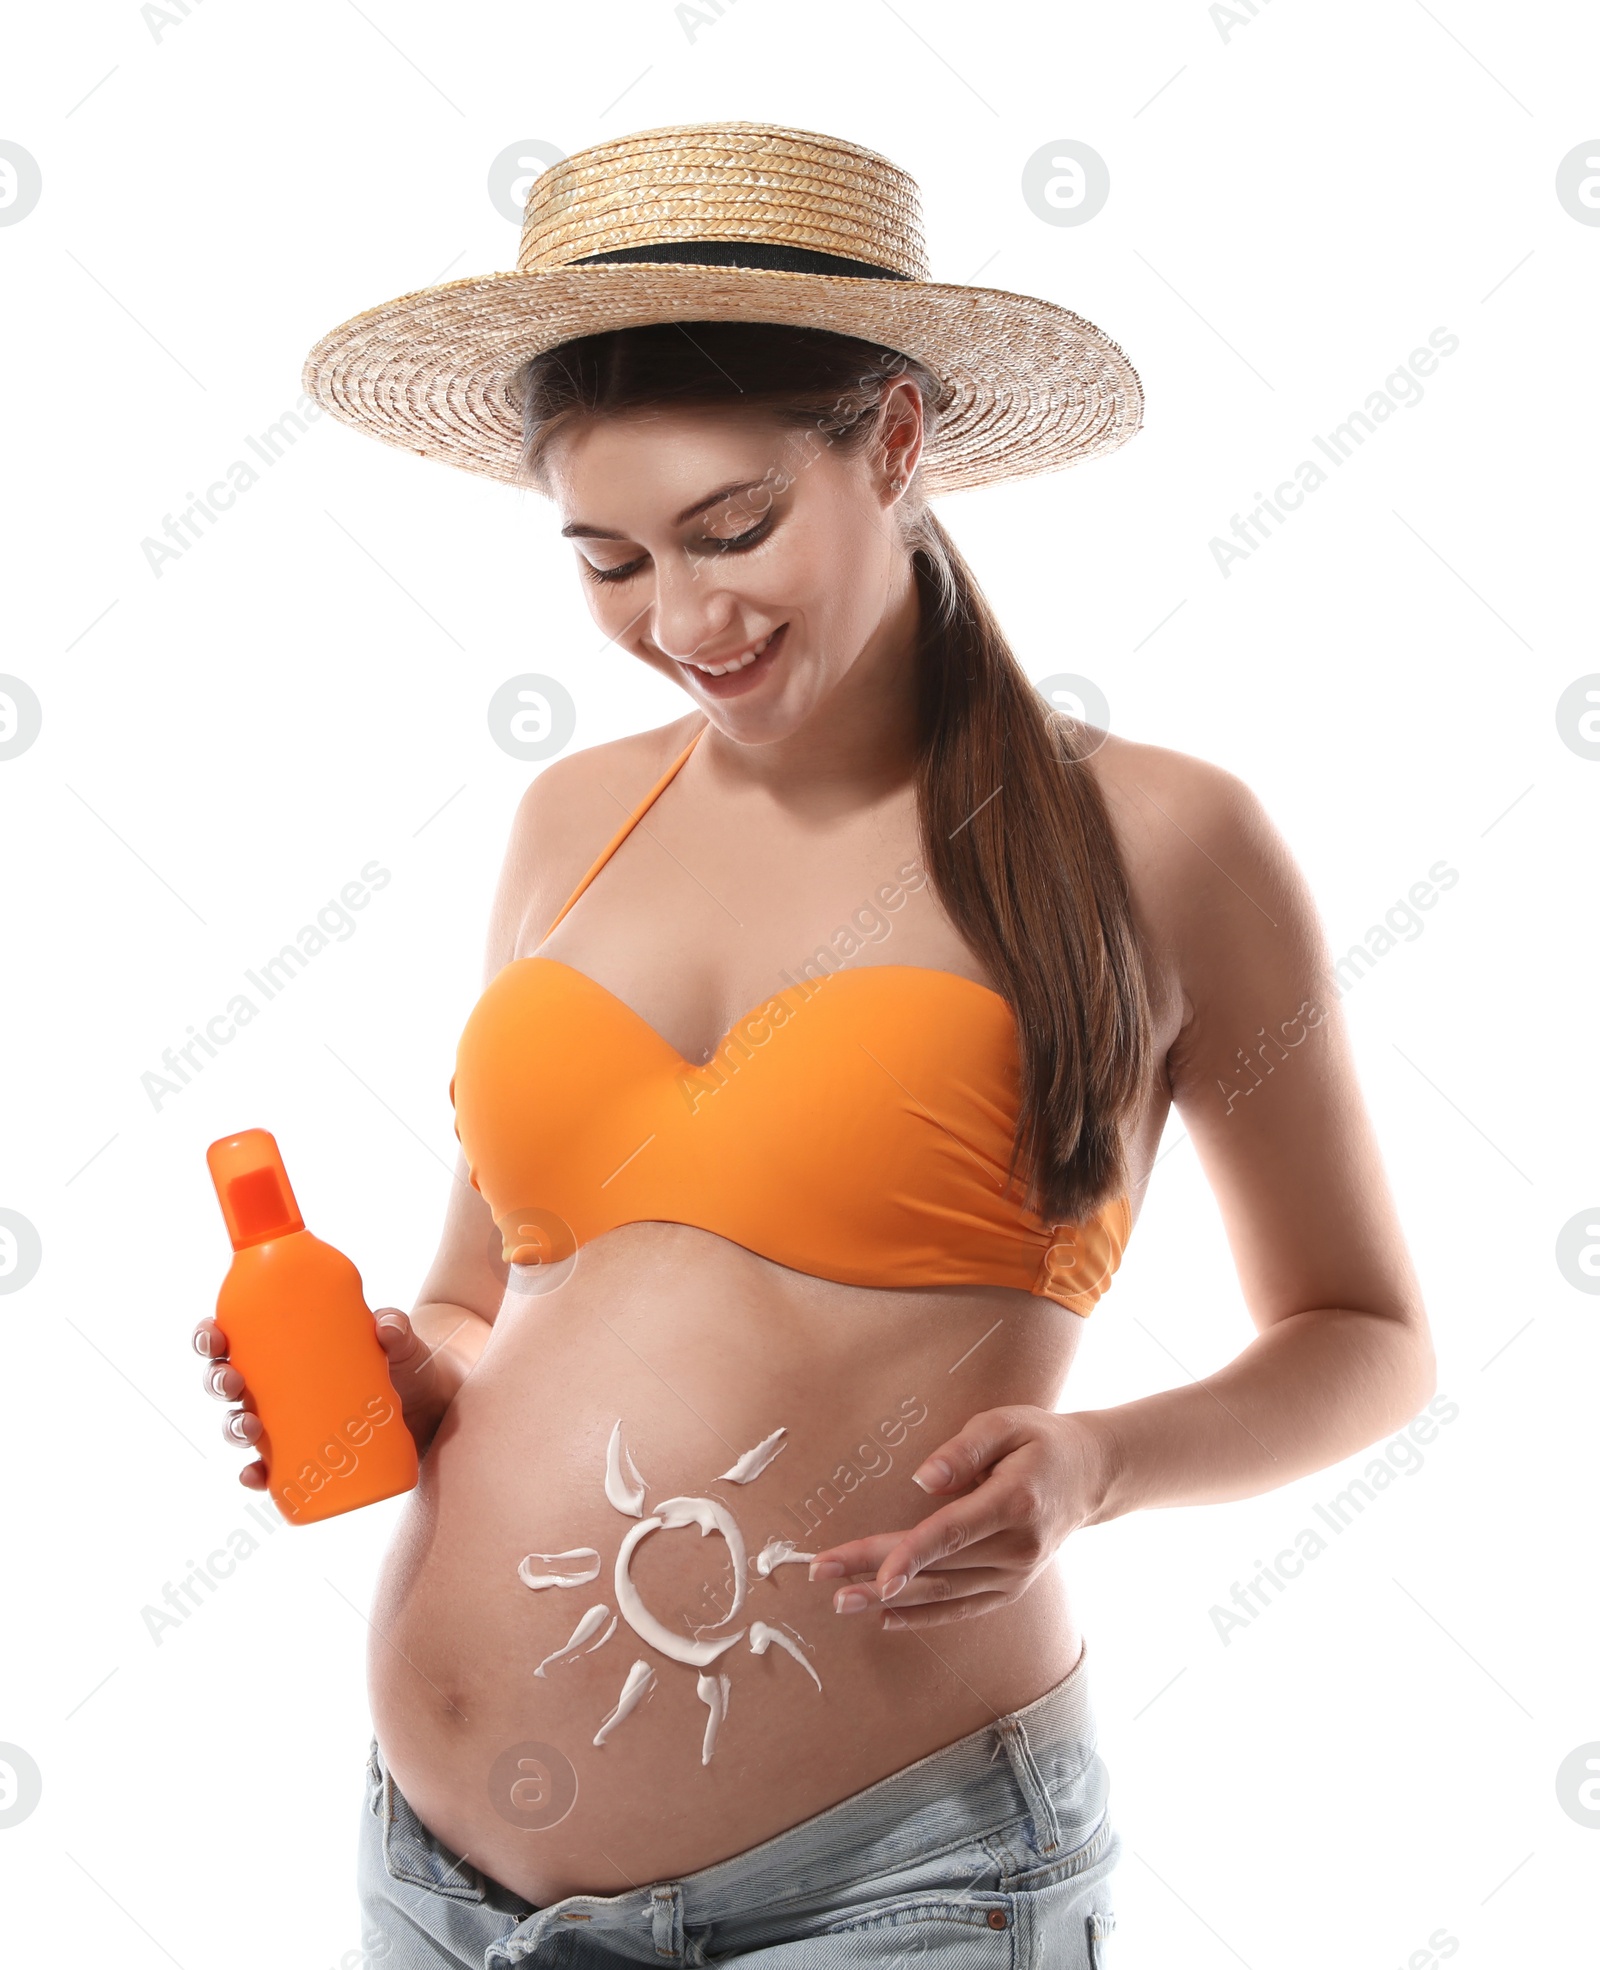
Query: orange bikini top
x,y
856,1126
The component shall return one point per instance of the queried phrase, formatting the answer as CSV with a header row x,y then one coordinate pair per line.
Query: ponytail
x,y
1019,846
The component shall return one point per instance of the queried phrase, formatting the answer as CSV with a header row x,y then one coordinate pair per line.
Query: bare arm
x,y
1342,1352
432,1352
1263,1077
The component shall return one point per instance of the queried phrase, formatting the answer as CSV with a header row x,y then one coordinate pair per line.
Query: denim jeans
x,y
991,1854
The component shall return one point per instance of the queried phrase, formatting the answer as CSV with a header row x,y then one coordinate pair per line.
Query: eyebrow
x,y
589,532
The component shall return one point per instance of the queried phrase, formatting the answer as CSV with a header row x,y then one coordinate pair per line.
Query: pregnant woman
x,y
827,1037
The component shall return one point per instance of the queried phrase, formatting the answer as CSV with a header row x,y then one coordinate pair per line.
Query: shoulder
x,y
1167,806
1213,881
585,781
576,804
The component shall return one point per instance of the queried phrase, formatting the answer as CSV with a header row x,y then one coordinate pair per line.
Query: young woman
x,y
827,1039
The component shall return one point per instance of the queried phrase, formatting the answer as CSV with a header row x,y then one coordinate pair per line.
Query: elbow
x,y
1415,1366
1423,1385
1429,1369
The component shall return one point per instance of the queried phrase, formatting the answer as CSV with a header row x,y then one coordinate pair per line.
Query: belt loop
x,y
1041,1808
666,1919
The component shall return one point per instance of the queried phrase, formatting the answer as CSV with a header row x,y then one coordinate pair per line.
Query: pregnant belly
x,y
490,1690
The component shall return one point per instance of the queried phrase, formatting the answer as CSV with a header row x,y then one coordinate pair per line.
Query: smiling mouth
x,y
731,666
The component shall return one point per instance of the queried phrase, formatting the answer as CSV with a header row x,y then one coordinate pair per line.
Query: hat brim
x,y
1032,387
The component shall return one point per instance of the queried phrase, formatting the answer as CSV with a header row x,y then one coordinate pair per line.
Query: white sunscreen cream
x,y
713,1693
625,1492
762,1637
578,1643
754,1462
624,1486
778,1552
711,1515
574,1569
641,1681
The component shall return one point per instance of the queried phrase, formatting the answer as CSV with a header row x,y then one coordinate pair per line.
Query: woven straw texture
x,y
1029,386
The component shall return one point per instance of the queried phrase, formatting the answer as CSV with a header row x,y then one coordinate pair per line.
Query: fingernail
x,y
851,1601
826,1569
892,1587
932,1474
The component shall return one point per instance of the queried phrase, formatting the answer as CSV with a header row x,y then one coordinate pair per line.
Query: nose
x,y
692,610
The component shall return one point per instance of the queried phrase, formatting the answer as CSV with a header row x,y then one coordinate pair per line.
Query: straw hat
x,y
730,222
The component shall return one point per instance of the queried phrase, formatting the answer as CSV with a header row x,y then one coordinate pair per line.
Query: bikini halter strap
x,y
627,827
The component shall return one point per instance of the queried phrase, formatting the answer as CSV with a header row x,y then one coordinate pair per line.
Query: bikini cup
x,y
856,1126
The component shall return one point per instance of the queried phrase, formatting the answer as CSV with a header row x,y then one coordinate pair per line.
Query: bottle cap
x,y
253,1188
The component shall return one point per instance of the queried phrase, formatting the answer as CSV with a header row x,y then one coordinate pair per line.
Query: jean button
x,y
997,1918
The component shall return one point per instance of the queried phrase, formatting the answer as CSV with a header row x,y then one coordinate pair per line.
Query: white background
x,y
1296,202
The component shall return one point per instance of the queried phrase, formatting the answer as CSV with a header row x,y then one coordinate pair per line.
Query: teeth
x,y
739,663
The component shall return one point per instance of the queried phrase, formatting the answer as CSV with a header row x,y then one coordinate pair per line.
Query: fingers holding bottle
x,y
415,1372
242,1426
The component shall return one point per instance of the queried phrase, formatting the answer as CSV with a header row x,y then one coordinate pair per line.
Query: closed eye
x,y
711,545
624,573
737,543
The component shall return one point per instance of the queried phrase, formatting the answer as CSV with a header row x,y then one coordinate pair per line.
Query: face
x,y
754,564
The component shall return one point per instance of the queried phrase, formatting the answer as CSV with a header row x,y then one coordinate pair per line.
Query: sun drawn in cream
x,y
625,1490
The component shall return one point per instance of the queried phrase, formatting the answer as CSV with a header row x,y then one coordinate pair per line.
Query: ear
x,y
900,435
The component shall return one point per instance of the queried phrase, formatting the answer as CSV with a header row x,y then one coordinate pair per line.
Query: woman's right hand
x,y
423,1375
223,1380
419,1377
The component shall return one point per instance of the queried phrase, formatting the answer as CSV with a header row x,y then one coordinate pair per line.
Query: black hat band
x,y
753,253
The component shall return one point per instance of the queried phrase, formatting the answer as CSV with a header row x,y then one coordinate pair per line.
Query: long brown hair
x,y
1016,837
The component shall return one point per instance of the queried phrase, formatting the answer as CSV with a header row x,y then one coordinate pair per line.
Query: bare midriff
x,y
702,1349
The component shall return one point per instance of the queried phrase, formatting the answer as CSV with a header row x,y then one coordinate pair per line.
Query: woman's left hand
x,y
1038,1477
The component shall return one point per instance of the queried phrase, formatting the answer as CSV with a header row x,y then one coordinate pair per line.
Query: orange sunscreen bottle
x,y
302,1335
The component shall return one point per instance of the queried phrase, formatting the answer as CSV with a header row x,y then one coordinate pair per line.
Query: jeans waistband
x,y
1003,1771
1042,1746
